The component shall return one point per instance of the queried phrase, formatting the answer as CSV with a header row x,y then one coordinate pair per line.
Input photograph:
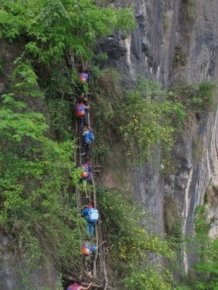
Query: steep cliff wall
x,y
15,274
176,42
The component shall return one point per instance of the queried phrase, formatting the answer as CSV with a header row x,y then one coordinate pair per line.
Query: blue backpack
x,y
93,215
89,137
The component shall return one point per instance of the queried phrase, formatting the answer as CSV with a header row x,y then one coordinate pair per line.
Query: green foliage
x,y
12,23
140,118
35,180
60,115
204,274
57,83
149,118
180,57
128,242
197,97
15,126
148,280
188,11
56,26
206,269
38,206
201,226
108,96
24,81
172,220
1,67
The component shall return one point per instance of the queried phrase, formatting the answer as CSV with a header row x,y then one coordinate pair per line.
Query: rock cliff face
x,y
176,42
14,273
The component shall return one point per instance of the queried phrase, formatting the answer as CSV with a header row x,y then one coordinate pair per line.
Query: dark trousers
x,y
86,149
90,229
81,123
86,117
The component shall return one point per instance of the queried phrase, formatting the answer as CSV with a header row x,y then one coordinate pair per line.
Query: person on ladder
x,y
81,112
87,139
78,286
84,98
91,215
84,76
86,174
83,80
88,249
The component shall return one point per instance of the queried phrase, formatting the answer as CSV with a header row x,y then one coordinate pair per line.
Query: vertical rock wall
x,y
14,273
176,42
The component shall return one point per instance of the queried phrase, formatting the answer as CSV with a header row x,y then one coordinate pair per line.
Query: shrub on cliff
x,y
51,28
129,244
204,273
37,211
149,118
197,97
139,119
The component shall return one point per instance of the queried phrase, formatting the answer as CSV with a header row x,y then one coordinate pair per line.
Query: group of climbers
x,y
86,137
84,130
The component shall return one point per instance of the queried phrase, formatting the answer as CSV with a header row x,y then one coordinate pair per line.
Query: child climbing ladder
x,y
92,252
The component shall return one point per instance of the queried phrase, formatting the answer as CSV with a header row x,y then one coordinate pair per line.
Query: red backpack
x,y
80,110
74,286
83,77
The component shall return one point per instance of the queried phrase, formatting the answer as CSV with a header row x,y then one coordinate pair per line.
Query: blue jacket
x,y
88,136
86,213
